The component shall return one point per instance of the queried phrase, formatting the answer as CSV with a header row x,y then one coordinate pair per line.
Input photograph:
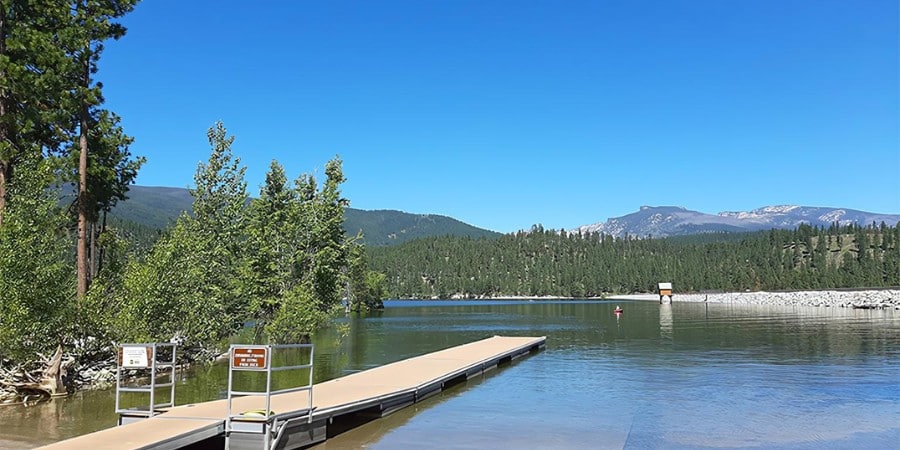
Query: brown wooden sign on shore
x,y
249,358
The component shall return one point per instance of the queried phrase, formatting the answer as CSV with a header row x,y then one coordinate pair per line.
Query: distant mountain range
x,y
662,221
158,207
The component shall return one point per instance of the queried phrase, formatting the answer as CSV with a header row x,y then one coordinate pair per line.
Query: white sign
x,y
135,357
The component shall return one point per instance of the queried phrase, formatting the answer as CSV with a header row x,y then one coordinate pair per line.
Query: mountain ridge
x,y
160,206
664,221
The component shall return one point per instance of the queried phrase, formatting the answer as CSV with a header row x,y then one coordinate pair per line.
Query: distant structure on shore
x,y
665,290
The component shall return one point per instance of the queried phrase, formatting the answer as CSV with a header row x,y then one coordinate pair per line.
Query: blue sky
x,y
505,114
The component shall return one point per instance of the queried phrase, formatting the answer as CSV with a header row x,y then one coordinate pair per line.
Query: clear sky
x,y
505,114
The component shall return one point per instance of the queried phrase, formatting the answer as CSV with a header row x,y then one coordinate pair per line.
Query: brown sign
x,y
249,358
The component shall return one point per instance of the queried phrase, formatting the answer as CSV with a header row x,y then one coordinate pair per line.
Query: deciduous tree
x,y
35,278
189,282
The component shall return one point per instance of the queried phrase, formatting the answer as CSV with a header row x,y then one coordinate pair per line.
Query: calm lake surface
x,y
687,375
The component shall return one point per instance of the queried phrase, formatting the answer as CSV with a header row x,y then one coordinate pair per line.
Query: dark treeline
x,y
547,263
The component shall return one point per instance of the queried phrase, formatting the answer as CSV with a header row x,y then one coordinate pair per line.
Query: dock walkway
x,y
375,392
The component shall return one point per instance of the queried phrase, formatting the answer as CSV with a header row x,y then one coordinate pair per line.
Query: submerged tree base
x,y
47,381
67,372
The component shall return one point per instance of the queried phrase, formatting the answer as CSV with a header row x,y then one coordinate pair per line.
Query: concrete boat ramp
x,y
305,416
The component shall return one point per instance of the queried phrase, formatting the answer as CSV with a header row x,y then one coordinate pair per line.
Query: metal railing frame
x,y
154,368
268,393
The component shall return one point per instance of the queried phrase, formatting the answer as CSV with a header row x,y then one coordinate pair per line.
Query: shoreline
x,y
888,298
858,299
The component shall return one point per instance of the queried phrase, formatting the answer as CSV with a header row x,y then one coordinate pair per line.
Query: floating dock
x,y
337,404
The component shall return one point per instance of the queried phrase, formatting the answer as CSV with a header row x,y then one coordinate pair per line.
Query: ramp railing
x,y
150,359
259,358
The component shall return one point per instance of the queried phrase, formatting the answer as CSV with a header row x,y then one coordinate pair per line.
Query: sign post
x,y
139,359
260,358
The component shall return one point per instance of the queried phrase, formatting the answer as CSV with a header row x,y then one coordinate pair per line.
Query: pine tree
x,y
34,66
273,242
91,23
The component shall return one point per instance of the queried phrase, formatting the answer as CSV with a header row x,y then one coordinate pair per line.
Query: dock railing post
x,y
152,379
144,357
259,358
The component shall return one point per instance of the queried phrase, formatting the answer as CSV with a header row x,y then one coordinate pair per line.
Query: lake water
x,y
687,375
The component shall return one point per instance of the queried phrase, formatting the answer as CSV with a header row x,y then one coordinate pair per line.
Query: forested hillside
x,y
157,208
545,262
387,227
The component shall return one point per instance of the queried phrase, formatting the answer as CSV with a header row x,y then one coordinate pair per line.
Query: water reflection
x,y
665,321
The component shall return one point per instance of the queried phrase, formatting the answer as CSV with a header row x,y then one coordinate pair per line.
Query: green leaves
x,y
36,286
368,288
299,314
296,245
279,261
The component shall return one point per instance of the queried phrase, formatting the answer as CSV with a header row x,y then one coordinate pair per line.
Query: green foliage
x,y
175,290
34,80
372,291
297,255
188,283
36,279
546,262
278,261
368,288
274,244
326,248
220,192
298,315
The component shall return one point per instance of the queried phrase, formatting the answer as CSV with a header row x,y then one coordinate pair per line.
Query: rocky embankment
x,y
865,299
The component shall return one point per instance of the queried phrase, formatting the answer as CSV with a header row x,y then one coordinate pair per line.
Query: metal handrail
x,y
253,363
150,362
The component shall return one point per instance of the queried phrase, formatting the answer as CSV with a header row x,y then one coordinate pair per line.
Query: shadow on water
x,y
367,427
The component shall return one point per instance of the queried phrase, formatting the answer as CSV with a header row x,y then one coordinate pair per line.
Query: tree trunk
x,y
51,382
99,250
82,216
4,128
92,250
83,225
